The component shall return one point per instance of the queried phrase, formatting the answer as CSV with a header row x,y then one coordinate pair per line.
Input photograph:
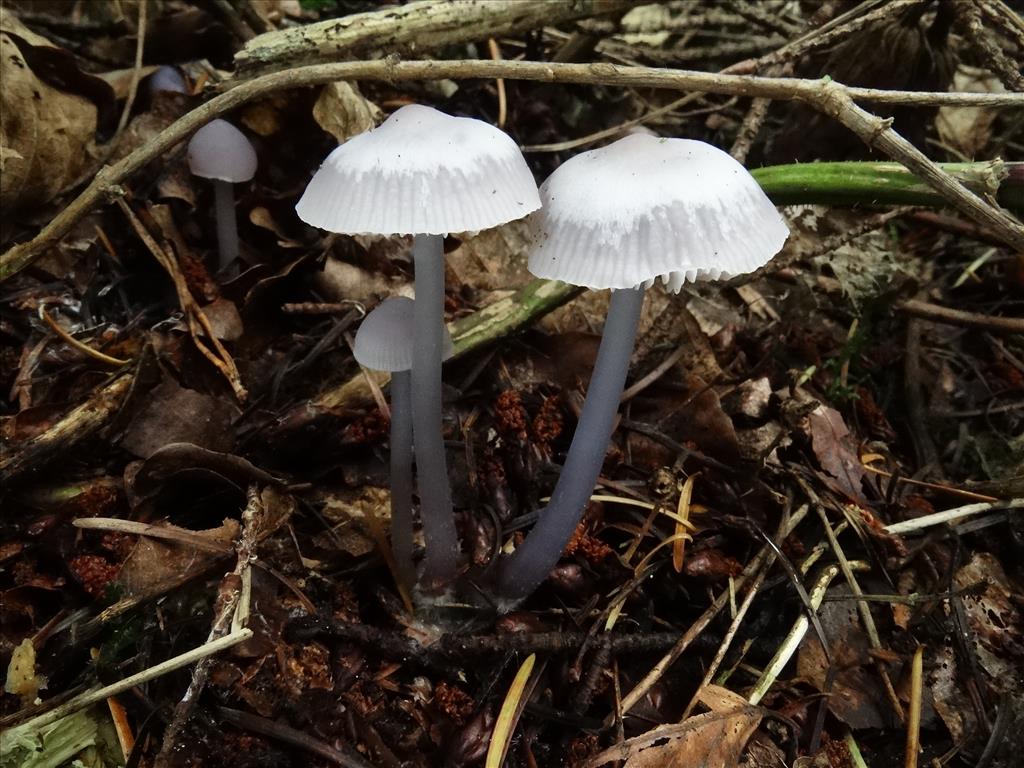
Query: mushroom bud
x,y
384,342
619,217
424,173
166,79
220,152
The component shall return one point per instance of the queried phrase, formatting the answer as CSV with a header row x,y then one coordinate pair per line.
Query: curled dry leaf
x,y
47,136
711,740
154,562
343,111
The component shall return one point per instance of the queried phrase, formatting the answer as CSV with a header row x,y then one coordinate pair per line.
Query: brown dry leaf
x,y
836,451
344,112
157,561
855,695
709,740
494,259
968,129
996,627
349,511
173,414
47,136
950,696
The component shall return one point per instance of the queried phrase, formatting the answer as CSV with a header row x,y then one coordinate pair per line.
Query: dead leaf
x,y
950,697
47,136
836,451
996,627
344,112
709,740
154,562
173,414
969,129
855,693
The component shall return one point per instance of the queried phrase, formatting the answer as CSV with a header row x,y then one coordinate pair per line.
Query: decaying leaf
x,y
996,627
157,561
836,451
47,136
711,740
344,112
854,697
968,129
173,414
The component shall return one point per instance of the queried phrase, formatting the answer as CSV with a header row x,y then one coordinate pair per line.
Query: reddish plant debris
x,y
510,416
370,429
548,423
591,548
93,572
453,702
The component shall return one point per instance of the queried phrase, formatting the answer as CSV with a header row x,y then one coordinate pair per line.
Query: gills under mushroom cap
x,y
421,172
646,207
220,151
384,341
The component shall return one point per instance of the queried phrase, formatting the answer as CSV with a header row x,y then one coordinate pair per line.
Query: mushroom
x,y
424,173
220,152
619,217
384,343
166,79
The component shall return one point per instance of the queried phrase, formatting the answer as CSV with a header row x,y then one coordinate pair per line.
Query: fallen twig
x,y
831,97
78,424
940,314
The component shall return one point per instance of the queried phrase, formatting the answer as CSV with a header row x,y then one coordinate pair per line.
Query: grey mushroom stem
x,y
442,549
227,228
537,555
401,476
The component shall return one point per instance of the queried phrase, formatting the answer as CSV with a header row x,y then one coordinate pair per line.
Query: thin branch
x,y
940,314
830,97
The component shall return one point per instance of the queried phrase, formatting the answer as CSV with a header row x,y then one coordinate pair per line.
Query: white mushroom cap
x,y
384,341
421,172
220,151
647,207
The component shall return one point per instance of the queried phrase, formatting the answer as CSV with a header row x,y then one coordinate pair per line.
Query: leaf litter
x,y
745,395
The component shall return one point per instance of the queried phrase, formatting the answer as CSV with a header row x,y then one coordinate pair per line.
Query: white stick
x,y
938,518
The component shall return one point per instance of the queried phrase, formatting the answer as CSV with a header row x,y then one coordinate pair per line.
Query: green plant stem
x,y
883,184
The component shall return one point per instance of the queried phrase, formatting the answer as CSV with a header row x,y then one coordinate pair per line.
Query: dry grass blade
x,y
914,713
508,717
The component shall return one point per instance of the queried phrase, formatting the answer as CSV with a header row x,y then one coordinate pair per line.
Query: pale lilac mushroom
x,y
424,173
220,152
619,217
384,342
166,79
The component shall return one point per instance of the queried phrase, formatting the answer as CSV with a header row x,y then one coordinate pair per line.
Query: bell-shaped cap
x,y
646,207
167,79
421,172
220,151
384,341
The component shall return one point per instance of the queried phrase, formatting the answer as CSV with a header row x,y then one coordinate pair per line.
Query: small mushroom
x,y
220,152
166,79
424,173
384,342
619,217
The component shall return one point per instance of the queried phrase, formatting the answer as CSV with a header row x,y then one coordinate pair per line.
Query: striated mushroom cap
x,y
220,151
646,207
421,172
384,341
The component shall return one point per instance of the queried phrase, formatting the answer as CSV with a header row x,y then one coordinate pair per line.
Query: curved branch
x,y
834,99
